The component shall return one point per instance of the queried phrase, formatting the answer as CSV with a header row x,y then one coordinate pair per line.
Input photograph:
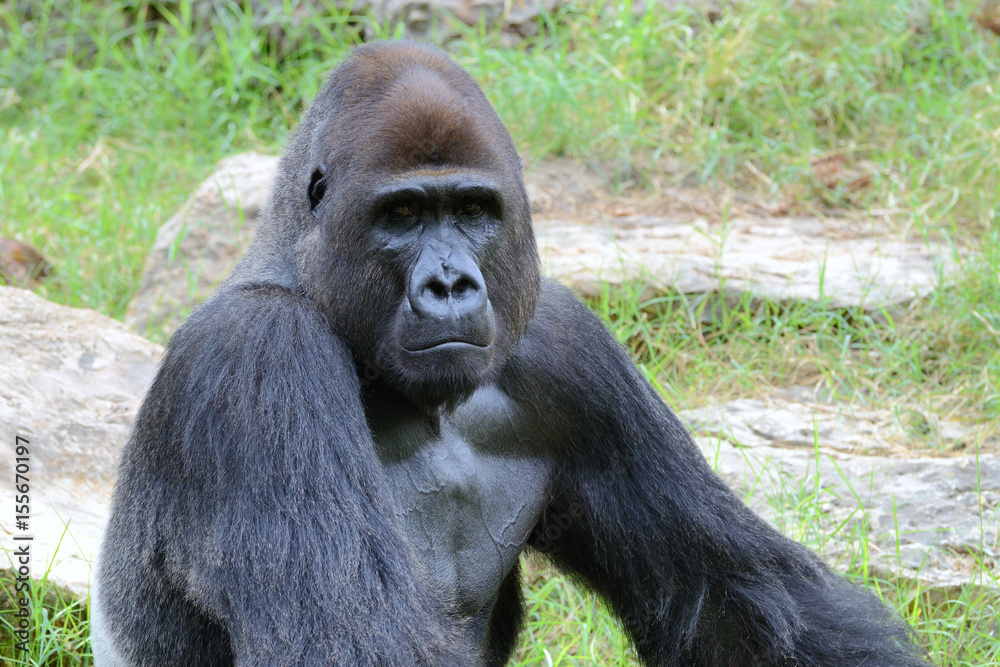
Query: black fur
x,y
347,447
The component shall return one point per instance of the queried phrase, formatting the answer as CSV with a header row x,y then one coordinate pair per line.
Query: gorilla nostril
x,y
438,289
443,289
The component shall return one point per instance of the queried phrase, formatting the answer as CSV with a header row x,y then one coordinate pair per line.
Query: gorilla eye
x,y
401,212
471,209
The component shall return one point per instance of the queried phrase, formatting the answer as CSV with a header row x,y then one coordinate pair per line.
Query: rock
x,y
195,248
759,422
928,519
782,259
70,383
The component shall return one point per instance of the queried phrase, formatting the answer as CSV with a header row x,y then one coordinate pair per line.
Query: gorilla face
x,y
417,255
421,251
428,301
432,231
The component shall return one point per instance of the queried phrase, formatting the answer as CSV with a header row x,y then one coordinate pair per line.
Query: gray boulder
x,y
930,519
780,258
195,248
70,384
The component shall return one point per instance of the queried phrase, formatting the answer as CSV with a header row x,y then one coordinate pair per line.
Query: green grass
x,y
57,623
107,122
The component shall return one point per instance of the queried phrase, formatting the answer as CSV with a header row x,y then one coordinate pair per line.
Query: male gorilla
x,y
348,447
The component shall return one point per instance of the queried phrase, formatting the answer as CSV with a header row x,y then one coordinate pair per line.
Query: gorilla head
x,y
406,195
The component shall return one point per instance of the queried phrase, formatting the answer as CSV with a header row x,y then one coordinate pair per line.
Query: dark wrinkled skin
x,y
347,448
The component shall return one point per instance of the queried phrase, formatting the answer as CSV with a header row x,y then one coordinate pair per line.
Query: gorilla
x,y
347,448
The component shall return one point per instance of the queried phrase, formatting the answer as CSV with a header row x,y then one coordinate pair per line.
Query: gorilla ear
x,y
317,187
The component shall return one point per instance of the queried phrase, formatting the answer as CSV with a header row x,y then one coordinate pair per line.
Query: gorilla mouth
x,y
451,345
449,335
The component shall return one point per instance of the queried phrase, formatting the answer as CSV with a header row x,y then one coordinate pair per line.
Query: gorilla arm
x,y
635,511
253,455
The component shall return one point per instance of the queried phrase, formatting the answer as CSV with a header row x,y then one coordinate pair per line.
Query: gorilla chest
x,y
469,486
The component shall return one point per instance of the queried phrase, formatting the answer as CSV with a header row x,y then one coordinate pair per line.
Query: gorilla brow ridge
x,y
431,124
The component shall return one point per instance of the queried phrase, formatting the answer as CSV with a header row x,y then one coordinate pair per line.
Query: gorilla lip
x,y
447,346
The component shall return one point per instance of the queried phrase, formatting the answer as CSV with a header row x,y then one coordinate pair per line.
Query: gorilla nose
x,y
448,301
447,293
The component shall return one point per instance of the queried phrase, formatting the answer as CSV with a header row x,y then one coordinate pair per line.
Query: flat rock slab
x,y
924,518
70,383
782,259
